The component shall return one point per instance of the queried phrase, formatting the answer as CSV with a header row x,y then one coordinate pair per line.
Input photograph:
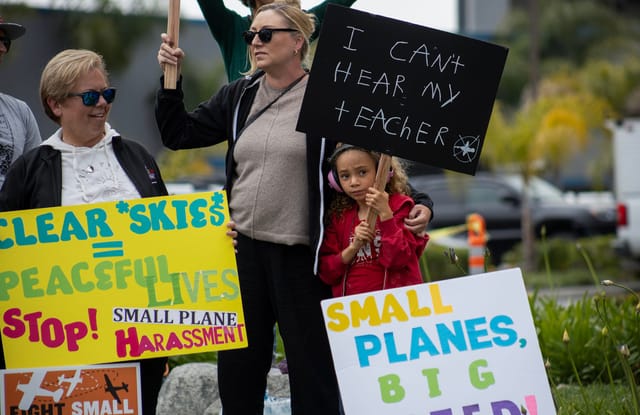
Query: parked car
x,y
498,198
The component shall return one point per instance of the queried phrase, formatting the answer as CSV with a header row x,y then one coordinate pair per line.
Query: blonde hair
x,y
303,22
63,71
252,3
398,183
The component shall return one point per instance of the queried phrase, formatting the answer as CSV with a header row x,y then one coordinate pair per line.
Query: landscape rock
x,y
192,388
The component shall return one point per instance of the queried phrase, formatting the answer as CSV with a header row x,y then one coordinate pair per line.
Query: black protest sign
x,y
402,89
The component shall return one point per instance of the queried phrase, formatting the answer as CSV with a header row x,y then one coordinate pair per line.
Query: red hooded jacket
x,y
391,260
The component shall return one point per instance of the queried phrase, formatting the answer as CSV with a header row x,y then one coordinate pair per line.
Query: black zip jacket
x,y
221,118
35,178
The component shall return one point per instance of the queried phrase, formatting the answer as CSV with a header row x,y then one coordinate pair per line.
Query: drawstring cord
x,y
344,281
77,176
114,175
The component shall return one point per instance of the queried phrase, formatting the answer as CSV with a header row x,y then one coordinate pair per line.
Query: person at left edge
x,y
19,130
85,161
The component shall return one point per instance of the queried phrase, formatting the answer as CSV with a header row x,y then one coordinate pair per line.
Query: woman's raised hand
x,y
168,55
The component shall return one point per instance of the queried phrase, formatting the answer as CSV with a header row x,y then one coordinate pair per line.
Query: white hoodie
x,y
92,174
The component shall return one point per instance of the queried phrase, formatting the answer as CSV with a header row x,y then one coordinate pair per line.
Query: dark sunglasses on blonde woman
x,y
264,35
91,98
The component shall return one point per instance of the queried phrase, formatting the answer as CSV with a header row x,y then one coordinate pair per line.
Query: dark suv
x,y
498,199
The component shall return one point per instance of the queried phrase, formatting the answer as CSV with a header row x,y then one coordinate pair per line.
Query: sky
x,y
438,14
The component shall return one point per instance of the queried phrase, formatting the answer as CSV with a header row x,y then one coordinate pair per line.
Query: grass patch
x,y
602,400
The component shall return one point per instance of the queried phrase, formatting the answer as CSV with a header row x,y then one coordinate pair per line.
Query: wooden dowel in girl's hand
x,y
382,175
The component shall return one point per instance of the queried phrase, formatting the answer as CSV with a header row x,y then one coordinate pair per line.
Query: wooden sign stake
x,y
173,30
382,175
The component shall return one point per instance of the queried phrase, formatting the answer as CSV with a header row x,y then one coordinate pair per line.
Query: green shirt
x,y
227,26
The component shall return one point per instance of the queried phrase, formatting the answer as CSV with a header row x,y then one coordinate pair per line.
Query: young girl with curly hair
x,y
354,257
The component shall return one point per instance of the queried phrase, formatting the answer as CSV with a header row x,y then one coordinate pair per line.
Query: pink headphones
x,y
332,176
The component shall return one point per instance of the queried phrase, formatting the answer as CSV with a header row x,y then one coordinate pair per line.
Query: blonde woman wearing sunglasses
x,y
276,212
276,197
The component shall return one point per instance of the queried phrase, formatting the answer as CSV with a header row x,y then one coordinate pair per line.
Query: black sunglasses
x,y
265,34
91,98
6,42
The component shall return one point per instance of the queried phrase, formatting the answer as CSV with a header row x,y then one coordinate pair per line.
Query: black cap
x,y
12,30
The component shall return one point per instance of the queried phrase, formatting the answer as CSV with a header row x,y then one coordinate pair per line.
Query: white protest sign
x,y
462,346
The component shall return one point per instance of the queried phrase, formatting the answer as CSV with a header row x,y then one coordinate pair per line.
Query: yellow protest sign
x,y
118,281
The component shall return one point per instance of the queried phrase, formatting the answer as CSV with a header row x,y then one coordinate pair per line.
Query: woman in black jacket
x,y
277,197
